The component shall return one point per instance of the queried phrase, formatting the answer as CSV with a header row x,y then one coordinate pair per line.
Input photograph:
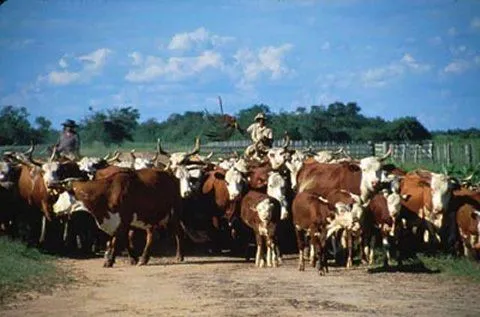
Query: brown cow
x,y
144,199
362,178
262,214
429,194
466,204
311,215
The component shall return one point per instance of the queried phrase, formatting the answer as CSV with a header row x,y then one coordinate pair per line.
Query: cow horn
x,y
339,151
115,157
106,157
157,153
30,150
132,154
54,153
196,148
347,156
323,200
468,178
387,155
160,150
30,156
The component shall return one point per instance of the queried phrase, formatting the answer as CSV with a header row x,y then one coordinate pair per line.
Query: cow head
x,y
179,158
276,189
294,164
235,182
5,171
440,186
279,155
264,209
181,172
371,168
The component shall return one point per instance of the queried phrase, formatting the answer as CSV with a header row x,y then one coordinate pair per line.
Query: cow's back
x,y
321,178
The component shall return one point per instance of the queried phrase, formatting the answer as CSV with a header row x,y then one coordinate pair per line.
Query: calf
x,y
465,204
311,214
262,214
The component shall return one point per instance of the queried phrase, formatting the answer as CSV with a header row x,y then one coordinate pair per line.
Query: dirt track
x,y
220,286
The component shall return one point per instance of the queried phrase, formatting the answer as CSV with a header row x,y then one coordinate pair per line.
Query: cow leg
x,y
386,250
301,245
131,247
109,253
260,256
146,251
41,240
318,241
349,249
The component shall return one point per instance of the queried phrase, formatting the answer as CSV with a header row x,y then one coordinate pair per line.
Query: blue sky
x,y
395,58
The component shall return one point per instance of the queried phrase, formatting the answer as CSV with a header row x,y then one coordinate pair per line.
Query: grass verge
x,y
461,267
26,269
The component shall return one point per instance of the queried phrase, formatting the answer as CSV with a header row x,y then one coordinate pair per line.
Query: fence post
x,y
448,153
468,154
431,149
415,153
404,152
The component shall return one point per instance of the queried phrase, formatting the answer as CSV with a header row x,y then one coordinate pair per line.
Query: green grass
x,y
444,265
26,269
448,265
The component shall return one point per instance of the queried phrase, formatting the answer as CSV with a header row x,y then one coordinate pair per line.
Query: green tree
x,y
111,127
15,127
408,129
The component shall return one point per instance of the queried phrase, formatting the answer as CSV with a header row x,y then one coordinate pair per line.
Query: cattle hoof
x,y
321,272
179,259
261,264
301,268
108,264
133,261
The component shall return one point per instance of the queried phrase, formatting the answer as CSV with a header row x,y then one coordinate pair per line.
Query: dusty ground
x,y
221,286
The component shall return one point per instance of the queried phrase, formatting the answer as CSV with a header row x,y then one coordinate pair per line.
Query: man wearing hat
x,y
69,143
261,135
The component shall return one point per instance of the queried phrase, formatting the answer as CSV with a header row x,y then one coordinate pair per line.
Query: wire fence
x,y
458,153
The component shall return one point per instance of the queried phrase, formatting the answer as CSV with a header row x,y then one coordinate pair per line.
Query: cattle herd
x,y
325,205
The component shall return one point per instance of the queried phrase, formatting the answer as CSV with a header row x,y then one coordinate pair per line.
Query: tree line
x,y
337,122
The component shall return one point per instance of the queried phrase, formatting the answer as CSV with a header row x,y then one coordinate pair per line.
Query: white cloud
x,y
136,57
91,65
173,68
475,24
268,60
63,63
96,59
325,46
201,36
411,63
381,76
62,78
457,66
452,31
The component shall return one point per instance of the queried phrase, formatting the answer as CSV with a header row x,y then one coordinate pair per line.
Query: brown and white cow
x,y
144,199
311,215
465,204
262,214
429,195
362,178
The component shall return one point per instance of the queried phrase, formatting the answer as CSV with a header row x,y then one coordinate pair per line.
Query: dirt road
x,y
221,286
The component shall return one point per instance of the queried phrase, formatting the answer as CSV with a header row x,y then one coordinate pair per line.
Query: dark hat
x,y
70,123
